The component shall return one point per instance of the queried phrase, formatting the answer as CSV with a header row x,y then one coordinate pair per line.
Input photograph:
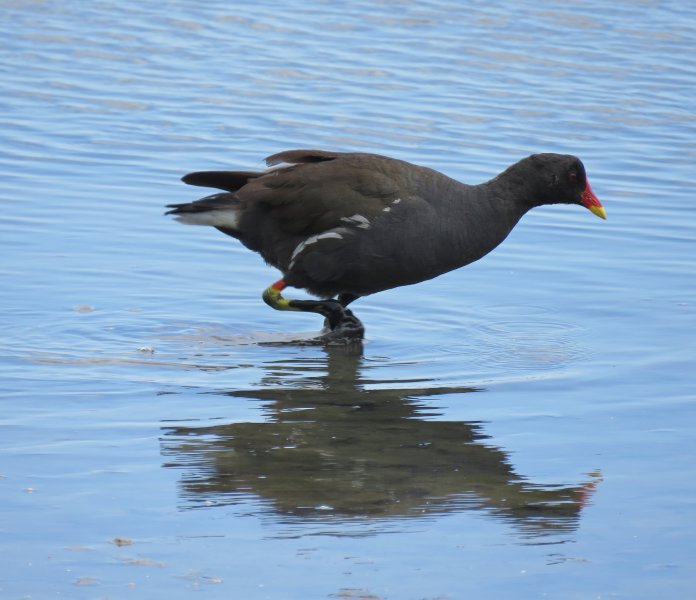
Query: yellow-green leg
x,y
273,297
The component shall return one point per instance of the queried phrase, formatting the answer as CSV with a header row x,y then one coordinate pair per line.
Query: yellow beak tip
x,y
599,211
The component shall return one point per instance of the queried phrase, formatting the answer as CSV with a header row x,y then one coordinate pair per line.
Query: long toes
x,y
349,327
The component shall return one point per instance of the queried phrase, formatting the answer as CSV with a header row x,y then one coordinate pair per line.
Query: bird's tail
x,y
218,210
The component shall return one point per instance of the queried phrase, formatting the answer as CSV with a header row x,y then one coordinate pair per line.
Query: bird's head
x,y
561,179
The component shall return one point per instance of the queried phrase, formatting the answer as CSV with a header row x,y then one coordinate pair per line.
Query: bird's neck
x,y
509,198
515,190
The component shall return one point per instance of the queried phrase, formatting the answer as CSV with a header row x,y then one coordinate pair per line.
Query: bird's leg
x,y
340,320
272,296
346,299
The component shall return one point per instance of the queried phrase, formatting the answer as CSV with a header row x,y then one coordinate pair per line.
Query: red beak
x,y
592,203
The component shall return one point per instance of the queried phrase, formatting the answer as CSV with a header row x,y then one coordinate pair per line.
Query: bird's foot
x,y
340,324
347,328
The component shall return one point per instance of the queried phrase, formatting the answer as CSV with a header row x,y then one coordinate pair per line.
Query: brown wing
x,y
320,188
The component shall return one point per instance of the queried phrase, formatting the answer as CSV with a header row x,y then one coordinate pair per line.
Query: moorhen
x,y
345,225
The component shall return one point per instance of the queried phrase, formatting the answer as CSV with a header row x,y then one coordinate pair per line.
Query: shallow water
x,y
520,428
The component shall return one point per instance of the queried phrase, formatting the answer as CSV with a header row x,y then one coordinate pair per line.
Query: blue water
x,y
521,428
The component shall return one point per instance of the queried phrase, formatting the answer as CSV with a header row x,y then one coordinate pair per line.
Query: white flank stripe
x,y
312,239
357,220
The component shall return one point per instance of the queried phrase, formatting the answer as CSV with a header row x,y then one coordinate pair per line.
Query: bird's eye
x,y
573,176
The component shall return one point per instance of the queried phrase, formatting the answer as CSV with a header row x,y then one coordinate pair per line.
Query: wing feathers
x,y
294,157
314,190
229,181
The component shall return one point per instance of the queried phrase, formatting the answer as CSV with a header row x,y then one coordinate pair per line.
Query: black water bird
x,y
346,225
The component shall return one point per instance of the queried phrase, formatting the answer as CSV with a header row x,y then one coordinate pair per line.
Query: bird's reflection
x,y
336,443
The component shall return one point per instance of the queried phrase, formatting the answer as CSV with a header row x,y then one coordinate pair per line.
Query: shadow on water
x,y
338,445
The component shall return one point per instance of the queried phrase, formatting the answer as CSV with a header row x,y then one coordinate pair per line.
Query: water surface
x,y
520,428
